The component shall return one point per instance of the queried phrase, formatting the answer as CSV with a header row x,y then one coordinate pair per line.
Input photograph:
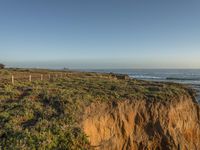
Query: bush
x,y
2,66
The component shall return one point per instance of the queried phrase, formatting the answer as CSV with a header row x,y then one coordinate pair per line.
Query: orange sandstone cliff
x,y
144,124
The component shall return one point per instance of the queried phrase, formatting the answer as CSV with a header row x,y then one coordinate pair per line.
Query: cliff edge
x,y
144,124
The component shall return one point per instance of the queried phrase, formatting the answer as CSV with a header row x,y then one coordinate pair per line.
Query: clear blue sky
x,y
100,33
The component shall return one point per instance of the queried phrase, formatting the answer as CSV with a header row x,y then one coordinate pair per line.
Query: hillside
x,y
77,110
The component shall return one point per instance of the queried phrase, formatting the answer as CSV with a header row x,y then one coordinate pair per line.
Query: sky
x,y
100,34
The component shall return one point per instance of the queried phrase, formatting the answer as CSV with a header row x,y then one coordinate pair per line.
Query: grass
x,y
46,114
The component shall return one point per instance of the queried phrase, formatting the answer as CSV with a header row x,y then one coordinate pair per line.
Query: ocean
x,y
190,77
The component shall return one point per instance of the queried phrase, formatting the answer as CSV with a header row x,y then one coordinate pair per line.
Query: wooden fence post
x,y
41,78
49,76
12,78
29,78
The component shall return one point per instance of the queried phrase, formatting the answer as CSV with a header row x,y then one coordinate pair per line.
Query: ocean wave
x,y
149,77
183,78
146,77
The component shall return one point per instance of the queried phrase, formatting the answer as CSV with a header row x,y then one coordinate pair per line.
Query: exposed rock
x,y
119,76
144,124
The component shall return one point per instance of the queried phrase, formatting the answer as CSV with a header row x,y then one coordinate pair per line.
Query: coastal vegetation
x,y
46,114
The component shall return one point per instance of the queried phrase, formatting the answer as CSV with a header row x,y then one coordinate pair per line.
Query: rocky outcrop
x,y
144,124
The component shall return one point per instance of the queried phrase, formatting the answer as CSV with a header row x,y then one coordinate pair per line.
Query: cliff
x,y
144,124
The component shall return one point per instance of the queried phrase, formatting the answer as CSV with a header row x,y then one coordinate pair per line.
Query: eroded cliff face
x,y
144,124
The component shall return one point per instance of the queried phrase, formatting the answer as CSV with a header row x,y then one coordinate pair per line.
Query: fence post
x,y
29,78
12,78
41,77
49,76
